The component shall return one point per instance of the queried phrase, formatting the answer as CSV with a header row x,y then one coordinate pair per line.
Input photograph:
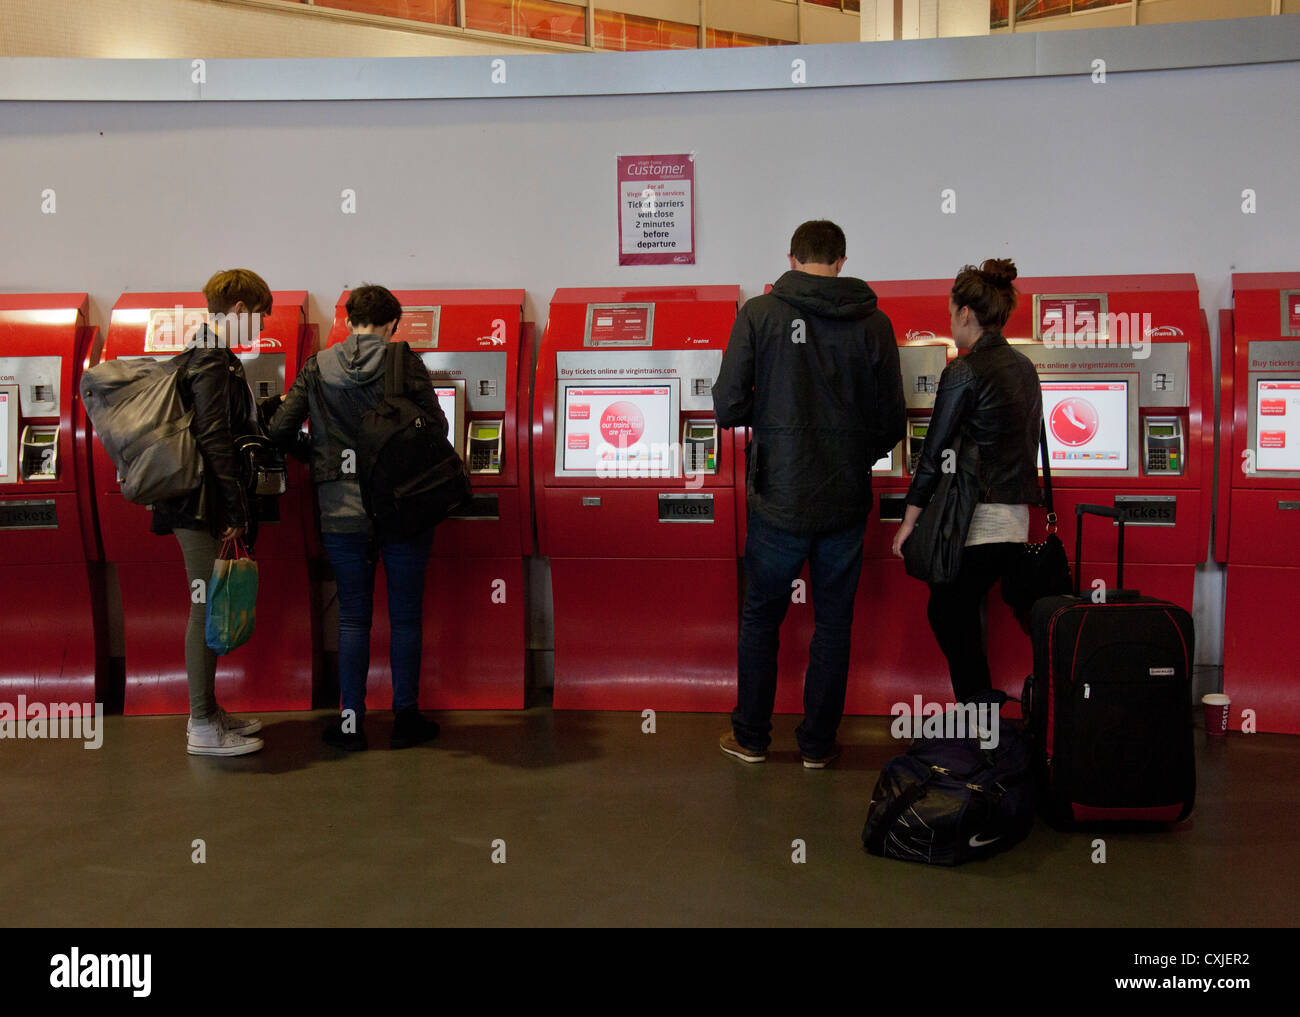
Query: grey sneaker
x,y
239,726
211,738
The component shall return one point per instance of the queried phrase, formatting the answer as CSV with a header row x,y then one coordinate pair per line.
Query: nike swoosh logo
x,y
976,842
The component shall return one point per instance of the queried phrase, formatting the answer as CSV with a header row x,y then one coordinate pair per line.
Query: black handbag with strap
x,y
934,550
1041,569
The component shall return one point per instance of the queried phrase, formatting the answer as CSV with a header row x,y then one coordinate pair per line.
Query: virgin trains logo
x,y
915,333
491,340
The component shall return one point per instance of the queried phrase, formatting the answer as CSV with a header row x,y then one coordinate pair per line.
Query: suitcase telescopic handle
x,y
1096,510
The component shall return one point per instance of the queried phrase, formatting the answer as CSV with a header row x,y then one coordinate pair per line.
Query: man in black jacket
x,y
812,368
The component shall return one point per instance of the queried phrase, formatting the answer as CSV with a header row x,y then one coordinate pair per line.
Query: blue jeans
x,y
773,560
354,570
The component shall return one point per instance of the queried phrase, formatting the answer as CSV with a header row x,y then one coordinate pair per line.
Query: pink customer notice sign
x,y
656,209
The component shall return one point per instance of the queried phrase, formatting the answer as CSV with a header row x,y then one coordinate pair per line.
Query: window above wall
x,y
618,25
1032,10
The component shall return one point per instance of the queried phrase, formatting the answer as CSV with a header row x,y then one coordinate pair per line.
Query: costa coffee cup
x,y
1216,713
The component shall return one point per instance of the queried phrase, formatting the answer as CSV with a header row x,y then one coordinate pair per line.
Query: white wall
x,y
1141,174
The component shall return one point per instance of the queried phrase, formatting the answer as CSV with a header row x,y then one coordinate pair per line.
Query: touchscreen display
x,y
1087,424
611,426
1277,425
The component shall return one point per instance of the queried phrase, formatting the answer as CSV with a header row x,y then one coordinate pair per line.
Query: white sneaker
x,y
240,727
211,738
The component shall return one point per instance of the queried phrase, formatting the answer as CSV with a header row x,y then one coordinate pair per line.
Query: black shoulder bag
x,y
1040,569
933,552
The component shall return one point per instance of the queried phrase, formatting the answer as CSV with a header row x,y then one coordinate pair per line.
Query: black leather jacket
x,y
991,395
211,381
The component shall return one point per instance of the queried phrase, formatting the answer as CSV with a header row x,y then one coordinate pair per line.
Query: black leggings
x,y
957,620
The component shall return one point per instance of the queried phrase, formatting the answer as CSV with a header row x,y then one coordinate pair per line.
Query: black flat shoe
x,y
334,735
410,728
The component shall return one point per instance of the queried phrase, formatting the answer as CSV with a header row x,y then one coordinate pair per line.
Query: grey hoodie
x,y
336,388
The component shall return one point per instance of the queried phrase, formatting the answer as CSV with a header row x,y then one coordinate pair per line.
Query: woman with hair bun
x,y
990,396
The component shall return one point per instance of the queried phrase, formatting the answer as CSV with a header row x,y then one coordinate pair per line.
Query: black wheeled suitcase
x,y
1109,704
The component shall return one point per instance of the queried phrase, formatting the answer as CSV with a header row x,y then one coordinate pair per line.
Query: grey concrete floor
x,y
601,824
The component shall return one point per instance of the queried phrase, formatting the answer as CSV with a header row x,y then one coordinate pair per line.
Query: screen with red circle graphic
x,y
617,425
1087,424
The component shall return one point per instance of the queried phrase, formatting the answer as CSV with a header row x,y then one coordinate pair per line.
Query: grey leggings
x,y
200,550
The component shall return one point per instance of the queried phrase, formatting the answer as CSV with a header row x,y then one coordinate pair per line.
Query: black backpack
x,y
411,477
950,799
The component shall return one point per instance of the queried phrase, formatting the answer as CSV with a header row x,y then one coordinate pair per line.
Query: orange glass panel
x,y
715,37
1040,9
535,19
628,32
433,12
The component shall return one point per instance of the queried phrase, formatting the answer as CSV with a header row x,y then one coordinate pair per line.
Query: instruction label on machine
x,y
656,209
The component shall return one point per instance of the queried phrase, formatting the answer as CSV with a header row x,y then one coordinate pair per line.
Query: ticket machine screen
x,y
446,402
1277,434
618,425
451,400
1087,424
8,434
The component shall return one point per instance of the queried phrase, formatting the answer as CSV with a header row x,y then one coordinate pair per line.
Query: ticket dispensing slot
x,y
40,452
893,505
700,446
484,446
1162,446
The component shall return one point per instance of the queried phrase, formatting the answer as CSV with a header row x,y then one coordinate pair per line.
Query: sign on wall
x,y
656,209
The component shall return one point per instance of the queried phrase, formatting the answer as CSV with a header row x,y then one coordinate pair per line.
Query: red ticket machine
x,y
52,617
1257,534
479,354
636,498
1127,391
273,670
